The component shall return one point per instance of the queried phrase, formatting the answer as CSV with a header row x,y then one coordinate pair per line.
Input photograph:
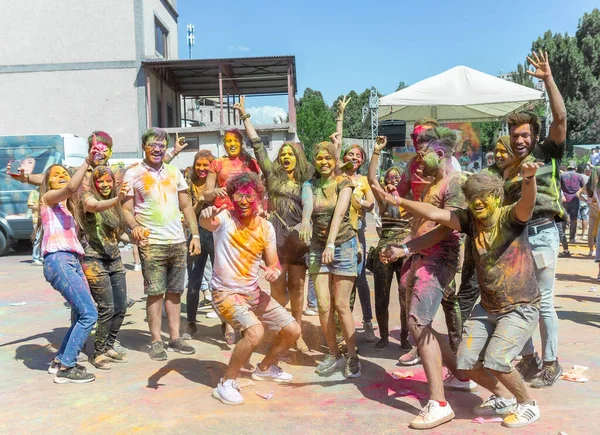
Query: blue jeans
x,y
361,285
63,271
312,296
37,246
544,246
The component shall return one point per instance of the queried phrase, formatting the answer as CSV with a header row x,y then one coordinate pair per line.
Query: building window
x,y
160,38
170,117
159,113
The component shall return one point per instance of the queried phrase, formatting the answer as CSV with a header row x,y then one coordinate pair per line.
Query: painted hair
x,y
202,154
520,118
102,137
245,179
482,185
330,148
112,219
45,187
441,136
302,172
157,133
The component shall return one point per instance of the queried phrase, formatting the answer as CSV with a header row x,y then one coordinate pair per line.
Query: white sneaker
x,y
273,373
311,312
495,406
330,364
228,392
522,415
137,267
410,358
432,415
211,315
451,382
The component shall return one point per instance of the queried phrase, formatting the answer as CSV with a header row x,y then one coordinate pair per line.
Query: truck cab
x,y
35,154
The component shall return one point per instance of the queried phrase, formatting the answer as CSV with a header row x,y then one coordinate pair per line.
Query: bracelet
x,y
376,153
278,273
331,246
406,250
529,178
195,236
244,117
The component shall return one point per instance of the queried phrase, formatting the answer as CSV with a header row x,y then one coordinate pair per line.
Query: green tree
x,y
521,77
489,133
353,124
315,122
401,86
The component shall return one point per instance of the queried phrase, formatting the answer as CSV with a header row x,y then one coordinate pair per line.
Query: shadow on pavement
x,y
585,319
201,372
576,278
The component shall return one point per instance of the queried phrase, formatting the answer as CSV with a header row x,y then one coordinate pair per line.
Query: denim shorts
x,y
345,259
163,268
584,211
494,340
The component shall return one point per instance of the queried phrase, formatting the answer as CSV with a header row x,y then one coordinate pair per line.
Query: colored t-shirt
x,y
156,201
504,261
445,194
238,253
97,240
595,159
548,202
361,187
570,183
226,168
324,201
60,230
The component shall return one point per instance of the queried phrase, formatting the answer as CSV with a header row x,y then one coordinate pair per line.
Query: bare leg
x,y
242,351
583,229
431,356
296,277
285,339
513,383
326,303
136,254
154,315
342,286
487,380
173,309
279,287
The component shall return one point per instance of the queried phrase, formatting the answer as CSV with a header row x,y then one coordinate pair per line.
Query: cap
x,y
572,164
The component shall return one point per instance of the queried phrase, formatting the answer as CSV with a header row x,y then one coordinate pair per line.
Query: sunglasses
x,y
155,145
249,197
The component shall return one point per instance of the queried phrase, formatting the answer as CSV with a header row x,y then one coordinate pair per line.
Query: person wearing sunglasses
x,y
242,239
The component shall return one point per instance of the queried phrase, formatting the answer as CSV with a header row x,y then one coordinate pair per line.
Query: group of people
x,y
314,222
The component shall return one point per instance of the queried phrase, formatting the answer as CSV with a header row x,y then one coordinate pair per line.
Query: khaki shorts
x,y
244,310
163,268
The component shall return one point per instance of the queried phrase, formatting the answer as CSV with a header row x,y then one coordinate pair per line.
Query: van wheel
x,y
3,243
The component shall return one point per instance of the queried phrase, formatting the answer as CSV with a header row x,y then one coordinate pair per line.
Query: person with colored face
x,y
285,177
242,239
394,228
157,194
102,227
544,238
196,264
333,258
509,309
429,270
61,250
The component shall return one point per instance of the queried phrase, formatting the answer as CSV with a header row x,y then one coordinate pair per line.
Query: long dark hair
x,y
111,220
303,170
243,156
202,154
44,187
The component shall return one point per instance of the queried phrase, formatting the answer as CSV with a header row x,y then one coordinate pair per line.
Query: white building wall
x,y
155,8
45,32
75,102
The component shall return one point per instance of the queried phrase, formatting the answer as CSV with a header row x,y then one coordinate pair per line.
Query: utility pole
x,y
191,40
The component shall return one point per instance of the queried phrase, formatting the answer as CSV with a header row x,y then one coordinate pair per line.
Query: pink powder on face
x,y
246,190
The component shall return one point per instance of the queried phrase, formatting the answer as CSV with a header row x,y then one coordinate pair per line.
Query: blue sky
x,y
345,45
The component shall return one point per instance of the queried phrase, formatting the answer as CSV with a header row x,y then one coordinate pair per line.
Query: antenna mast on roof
x,y
191,39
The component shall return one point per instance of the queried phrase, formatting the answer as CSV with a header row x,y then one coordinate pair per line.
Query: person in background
x,y
33,201
584,209
570,182
595,157
61,250
289,215
242,239
586,195
157,193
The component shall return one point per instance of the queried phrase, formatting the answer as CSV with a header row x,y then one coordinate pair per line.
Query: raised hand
x,y
212,211
380,143
335,138
271,273
180,143
240,106
123,191
529,169
390,199
342,104
541,65
220,192
19,177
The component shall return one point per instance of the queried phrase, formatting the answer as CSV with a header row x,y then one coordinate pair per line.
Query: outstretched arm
x,y
339,124
558,128
92,205
380,144
35,179
524,206
393,252
262,157
180,145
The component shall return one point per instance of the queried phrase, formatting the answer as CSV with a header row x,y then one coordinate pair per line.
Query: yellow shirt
x,y
361,187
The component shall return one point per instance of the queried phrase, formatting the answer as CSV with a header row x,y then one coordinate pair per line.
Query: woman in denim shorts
x,y
333,257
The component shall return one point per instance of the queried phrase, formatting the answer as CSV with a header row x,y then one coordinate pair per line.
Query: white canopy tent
x,y
459,94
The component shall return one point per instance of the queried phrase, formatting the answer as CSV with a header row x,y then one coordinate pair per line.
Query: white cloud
x,y
265,114
239,48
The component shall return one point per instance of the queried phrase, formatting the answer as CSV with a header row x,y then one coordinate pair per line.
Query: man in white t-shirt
x,y
242,238
157,194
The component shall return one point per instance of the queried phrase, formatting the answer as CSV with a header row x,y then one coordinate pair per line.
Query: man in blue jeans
x,y
543,232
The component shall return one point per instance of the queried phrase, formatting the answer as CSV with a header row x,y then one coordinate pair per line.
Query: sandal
x,y
102,362
116,357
